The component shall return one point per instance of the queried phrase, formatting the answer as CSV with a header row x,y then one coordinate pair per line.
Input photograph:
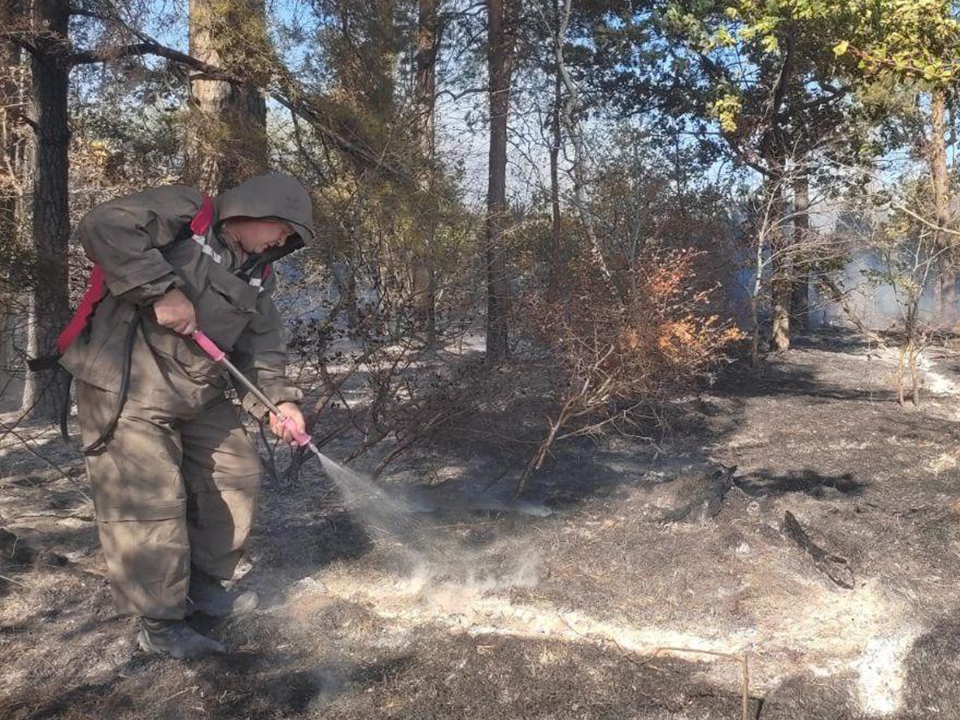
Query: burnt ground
x,y
577,603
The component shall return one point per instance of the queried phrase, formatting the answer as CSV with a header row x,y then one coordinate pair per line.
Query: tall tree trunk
x,y
499,63
775,149
554,274
381,98
10,185
10,110
51,220
800,302
228,138
940,184
425,275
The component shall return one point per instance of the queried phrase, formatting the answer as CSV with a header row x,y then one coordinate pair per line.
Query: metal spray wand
x,y
219,356
354,486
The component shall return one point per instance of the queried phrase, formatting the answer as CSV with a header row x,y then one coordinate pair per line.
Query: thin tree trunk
x,y
51,219
780,284
425,274
9,124
774,149
755,304
554,275
382,50
800,302
579,152
228,135
940,183
499,63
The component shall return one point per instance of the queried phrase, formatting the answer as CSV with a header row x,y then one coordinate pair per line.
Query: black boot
x,y
208,596
175,638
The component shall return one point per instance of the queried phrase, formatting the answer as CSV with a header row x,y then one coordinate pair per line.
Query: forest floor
x,y
577,603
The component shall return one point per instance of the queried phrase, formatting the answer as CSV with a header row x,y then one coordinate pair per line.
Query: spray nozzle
x,y
301,438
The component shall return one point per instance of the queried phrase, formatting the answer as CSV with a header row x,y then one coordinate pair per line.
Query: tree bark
x,y
425,275
800,301
10,109
500,65
775,148
49,302
940,185
228,138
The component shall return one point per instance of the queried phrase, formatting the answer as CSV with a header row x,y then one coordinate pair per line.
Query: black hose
x,y
105,434
65,408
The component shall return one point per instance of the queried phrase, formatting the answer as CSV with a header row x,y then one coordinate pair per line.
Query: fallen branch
x,y
839,297
57,515
833,566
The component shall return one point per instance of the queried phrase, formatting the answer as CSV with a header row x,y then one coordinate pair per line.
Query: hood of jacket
x,y
270,196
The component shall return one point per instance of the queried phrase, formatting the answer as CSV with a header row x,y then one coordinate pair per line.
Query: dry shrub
x,y
616,350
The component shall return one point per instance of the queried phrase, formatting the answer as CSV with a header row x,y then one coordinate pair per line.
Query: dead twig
x,y
182,692
23,441
744,661
271,463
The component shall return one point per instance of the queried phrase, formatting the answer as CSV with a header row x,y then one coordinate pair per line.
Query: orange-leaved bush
x,y
647,335
650,337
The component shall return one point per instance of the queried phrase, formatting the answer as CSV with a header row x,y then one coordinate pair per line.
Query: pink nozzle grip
x,y
208,346
301,438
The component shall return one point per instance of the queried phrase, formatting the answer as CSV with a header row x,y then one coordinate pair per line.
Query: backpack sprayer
x,y
254,271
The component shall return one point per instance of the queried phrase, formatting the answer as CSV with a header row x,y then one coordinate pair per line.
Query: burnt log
x,y
833,566
708,503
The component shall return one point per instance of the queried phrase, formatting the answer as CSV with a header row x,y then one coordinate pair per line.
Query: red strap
x,y
79,321
266,271
204,218
198,226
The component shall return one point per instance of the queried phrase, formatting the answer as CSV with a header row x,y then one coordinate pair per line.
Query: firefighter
x,y
175,476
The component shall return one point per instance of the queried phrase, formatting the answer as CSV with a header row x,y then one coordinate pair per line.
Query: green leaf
x,y
841,48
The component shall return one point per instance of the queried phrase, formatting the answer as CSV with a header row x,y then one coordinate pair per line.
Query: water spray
x,y
357,490
388,516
